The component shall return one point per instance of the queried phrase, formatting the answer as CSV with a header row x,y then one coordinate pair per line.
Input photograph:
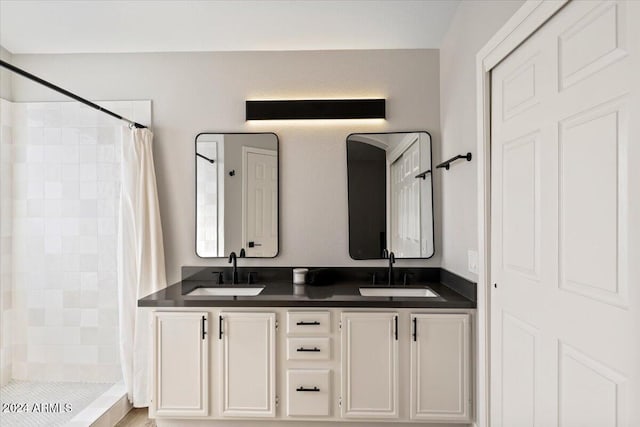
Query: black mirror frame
x,y
195,192
433,231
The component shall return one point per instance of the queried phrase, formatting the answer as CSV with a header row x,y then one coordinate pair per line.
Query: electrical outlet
x,y
472,257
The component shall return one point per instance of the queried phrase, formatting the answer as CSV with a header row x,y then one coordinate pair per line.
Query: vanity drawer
x,y
308,392
308,349
308,322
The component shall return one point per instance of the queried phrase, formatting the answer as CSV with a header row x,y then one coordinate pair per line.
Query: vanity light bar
x,y
316,109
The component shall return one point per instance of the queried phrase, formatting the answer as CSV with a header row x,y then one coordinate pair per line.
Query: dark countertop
x,y
281,294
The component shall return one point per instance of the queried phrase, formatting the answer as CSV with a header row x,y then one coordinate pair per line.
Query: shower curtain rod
x,y
65,92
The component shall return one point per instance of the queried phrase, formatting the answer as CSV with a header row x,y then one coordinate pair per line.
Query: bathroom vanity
x,y
324,354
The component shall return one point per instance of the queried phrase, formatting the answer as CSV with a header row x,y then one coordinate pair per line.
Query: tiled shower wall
x,y
64,231
6,213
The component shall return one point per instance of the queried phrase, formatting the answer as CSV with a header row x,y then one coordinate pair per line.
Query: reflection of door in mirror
x,y
260,200
405,203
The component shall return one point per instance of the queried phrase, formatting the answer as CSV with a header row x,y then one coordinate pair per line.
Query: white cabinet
x,y
248,364
181,363
369,365
440,367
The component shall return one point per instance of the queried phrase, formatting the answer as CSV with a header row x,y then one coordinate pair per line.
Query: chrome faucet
x,y
234,259
392,260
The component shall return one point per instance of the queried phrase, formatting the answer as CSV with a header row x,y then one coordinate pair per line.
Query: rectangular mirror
x,y
390,195
237,194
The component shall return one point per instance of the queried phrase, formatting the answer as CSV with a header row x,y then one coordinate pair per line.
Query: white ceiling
x,y
74,26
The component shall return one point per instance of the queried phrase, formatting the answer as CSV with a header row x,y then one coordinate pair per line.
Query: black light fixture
x,y
316,109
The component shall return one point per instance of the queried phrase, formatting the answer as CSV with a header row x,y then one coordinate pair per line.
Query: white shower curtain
x,y
140,260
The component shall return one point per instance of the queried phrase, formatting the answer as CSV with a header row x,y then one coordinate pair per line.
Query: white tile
x,y
88,244
70,136
71,317
88,136
69,244
53,190
106,226
70,172
70,207
52,135
88,208
80,354
89,281
89,317
106,154
69,227
53,245
35,208
35,190
35,136
69,154
87,154
54,316
53,172
88,226
88,172
88,190
88,263
53,153
70,190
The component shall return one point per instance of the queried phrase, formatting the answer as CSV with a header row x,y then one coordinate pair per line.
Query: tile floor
x,y
37,402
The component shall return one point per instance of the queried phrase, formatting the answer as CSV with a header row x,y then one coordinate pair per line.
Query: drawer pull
x,y
316,349
307,389
314,323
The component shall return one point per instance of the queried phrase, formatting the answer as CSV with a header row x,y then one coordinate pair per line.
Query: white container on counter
x,y
300,276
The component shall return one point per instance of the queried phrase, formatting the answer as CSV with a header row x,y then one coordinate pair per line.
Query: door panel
x,y
564,333
440,389
260,202
181,342
248,364
369,365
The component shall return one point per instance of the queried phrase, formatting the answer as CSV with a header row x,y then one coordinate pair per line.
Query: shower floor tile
x,y
33,404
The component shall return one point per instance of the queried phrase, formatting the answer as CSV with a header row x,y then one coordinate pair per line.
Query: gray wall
x,y
5,76
196,92
472,26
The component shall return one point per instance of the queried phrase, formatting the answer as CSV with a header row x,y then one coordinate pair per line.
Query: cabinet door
x,y
369,365
248,364
440,389
180,364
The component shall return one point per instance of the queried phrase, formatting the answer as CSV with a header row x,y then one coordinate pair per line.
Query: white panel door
x,y
565,306
405,203
181,361
248,364
260,202
440,389
369,365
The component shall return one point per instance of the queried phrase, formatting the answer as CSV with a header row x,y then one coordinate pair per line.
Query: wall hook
x,y
447,163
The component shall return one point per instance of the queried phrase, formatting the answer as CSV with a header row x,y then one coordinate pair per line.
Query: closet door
x,y
565,310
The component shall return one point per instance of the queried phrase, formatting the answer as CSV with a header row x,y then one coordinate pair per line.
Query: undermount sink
x,y
228,291
390,291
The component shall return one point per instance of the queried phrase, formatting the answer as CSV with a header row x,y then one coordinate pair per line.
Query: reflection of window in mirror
x,y
247,201
210,195
390,195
